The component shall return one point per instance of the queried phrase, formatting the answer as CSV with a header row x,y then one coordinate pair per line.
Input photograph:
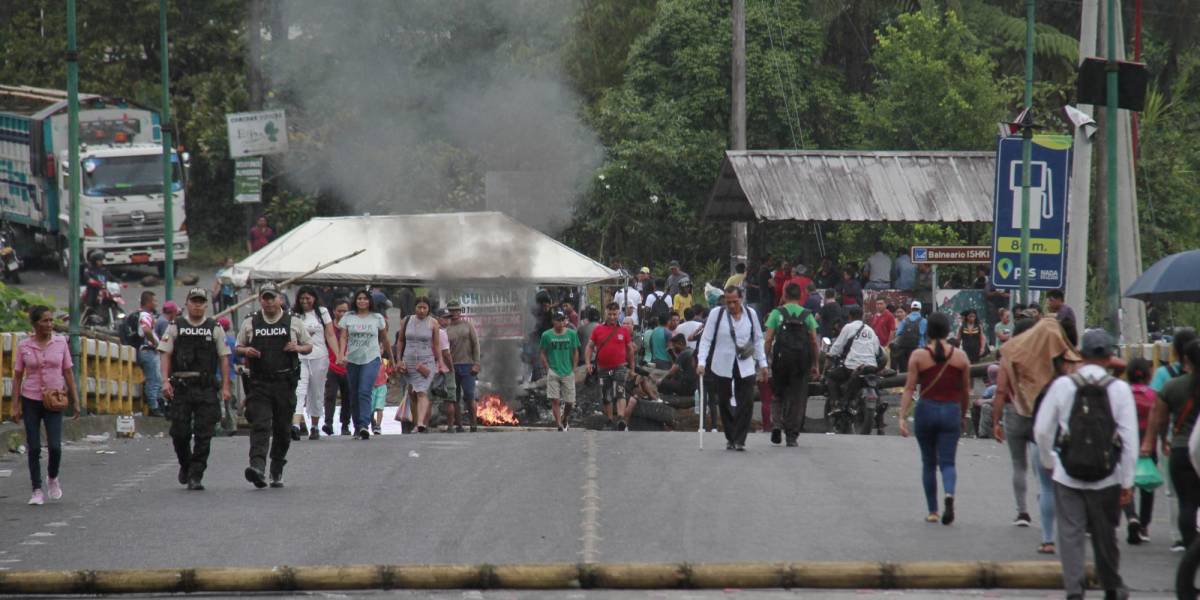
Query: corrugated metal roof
x,y
829,185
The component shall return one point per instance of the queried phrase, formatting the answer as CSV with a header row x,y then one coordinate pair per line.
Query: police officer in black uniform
x,y
271,340
193,350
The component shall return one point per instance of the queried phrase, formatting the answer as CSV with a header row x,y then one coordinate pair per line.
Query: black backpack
x,y
1090,448
910,337
130,330
659,309
793,343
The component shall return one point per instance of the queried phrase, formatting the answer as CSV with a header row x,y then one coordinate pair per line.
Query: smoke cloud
x,y
433,106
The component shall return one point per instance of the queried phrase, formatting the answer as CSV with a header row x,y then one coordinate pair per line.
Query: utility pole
x,y
737,120
168,190
73,184
1026,149
1081,183
1110,115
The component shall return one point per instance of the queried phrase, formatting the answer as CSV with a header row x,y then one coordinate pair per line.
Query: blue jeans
x,y
937,426
1045,498
465,380
35,415
148,360
362,380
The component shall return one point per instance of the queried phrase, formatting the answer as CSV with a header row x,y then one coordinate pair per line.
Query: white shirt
x,y
630,319
635,297
653,297
725,351
880,267
1055,412
864,348
317,332
687,328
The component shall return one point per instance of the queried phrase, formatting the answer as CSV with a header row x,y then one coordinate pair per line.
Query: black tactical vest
x,y
269,339
194,349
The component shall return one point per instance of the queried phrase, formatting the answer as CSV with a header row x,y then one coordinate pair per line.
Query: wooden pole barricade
x,y
750,575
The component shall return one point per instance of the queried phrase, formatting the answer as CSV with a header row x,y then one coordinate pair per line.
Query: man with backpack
x,y
657,303
137,330
910,335
1086,430
791,348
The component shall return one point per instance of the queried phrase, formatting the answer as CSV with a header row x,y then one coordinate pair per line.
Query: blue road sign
x,y
1049,174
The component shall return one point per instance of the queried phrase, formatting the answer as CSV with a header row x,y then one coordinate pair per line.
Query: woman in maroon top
x,y
944,375
42,363
260,235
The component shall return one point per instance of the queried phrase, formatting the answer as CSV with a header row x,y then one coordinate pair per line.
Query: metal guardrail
x,y
110,378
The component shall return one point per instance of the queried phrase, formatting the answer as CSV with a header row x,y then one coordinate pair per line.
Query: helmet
x,y
95,255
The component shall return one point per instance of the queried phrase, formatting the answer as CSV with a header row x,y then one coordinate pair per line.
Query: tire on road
x,y
679,401
655,411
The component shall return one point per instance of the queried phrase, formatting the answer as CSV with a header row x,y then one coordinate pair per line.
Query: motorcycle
x,y
108,307
859,412
10,263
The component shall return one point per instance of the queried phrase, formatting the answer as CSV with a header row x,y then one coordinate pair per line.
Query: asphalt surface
x,y
531,497
53,284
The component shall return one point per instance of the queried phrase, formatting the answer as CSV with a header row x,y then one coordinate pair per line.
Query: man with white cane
x,y
731,351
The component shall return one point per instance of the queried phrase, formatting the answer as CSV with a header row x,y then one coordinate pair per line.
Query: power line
x,y
782,89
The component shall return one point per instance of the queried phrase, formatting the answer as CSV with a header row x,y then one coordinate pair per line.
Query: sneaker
x,y
38,498
566,427
345,430
276,480
1134,528
376,431
183,474
256,477
295,433
53,489
729,446
793,444
195,485
776,436
327,429
1175,547
948,513
363,434
314,434
1144,535
713,430
621,426
560,427
1022,520
422,429
741,447
459,429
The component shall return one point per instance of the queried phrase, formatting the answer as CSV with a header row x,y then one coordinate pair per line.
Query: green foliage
x,y
14,308
934,89
286,210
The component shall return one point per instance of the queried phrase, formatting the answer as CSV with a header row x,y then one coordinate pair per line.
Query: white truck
x,y
121,188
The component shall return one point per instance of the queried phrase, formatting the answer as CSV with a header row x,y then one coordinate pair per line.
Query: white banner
x,y
256,133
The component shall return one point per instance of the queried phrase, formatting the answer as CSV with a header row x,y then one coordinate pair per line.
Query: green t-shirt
x,y
774,319
559,349
658,345
1175,394
362,342
1006,328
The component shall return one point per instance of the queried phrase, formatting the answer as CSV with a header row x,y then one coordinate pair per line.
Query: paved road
x,y
528,497
52,284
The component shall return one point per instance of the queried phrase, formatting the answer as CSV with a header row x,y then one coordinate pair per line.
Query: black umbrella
x,y
1175,278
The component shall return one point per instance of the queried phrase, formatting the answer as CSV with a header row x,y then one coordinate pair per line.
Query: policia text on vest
x,y
194,351
271,341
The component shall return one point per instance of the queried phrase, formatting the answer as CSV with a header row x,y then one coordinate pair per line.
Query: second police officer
x,y
271,340
193,349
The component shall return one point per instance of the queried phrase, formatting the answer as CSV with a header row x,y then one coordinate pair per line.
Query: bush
x,y
15,305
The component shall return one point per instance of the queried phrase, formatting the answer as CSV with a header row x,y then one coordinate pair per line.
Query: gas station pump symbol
x,y
1041,203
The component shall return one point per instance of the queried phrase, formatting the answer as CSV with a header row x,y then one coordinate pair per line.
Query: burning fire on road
x,y
492,410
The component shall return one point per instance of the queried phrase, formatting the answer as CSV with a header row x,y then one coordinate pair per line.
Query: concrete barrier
x,y
828,575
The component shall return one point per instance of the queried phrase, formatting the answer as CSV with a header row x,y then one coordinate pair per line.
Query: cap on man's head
x,y
916,305
198,292
674,263
800,270
268,289
1096,343
454,305
170,307
442,313
645,270
558,315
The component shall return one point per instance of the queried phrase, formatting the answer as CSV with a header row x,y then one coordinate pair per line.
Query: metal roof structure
x,y
850,185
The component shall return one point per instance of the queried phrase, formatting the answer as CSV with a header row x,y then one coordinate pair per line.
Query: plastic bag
x,y
1146,475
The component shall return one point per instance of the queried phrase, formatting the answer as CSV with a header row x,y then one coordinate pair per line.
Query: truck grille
x,y
143,225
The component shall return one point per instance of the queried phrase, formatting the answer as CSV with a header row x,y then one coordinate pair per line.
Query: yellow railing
x,y
110,380
1158,353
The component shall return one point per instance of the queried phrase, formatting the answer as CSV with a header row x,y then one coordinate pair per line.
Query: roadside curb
x,y
748,575
13,434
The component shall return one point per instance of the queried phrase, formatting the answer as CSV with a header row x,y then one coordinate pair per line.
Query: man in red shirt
x,y
614,356
884,324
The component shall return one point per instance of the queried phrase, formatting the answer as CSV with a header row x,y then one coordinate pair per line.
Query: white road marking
x,y
41,534
57,524
591,502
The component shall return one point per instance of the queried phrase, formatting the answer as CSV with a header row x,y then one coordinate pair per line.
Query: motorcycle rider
x,y
856,347
94,277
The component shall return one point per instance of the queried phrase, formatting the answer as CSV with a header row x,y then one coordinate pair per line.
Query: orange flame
x,y
491,410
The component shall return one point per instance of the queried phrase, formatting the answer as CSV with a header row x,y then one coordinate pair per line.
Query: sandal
x,y
1047,548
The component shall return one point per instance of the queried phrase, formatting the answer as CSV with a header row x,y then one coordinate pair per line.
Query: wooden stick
x,y
285,282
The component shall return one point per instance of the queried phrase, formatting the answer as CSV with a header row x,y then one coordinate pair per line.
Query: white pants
x,y
310,391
